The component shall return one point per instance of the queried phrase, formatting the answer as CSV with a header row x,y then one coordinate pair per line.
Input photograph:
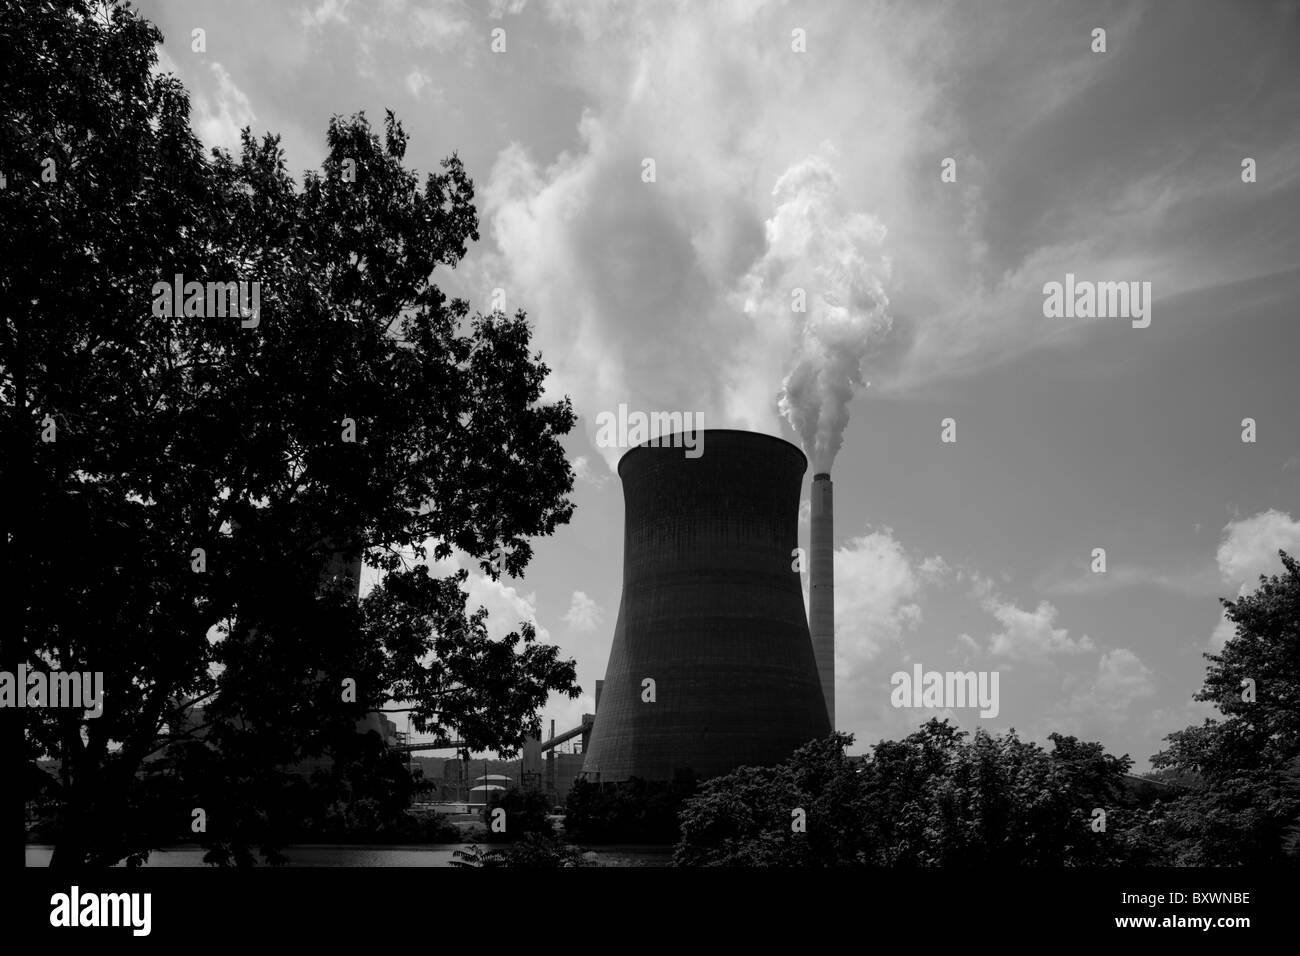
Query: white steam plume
x,y
835,257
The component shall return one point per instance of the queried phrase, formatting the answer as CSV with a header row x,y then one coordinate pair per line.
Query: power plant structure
x,y
821,586
712,665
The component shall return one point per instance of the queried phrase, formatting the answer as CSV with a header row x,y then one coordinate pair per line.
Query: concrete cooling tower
x,y
712,612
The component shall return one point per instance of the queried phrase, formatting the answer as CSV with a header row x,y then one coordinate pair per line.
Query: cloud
x,y
1120,680
507,607
221,114
327,11
499,8
934,569
877,587
376,32
583,471
165,63
584,614
1223,632
1194,582
1031,634
1249,547
417,81
654,314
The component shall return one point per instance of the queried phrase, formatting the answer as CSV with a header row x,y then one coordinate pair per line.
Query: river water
x,y
362,855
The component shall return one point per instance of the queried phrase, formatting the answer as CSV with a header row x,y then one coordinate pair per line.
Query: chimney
x,y
821,587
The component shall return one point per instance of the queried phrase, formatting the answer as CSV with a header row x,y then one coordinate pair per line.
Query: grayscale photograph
x,y
855,441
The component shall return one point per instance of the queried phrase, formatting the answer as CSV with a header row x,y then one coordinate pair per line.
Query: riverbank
x,y
365,855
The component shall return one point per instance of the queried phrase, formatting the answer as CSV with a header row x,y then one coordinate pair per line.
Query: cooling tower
x,y
712,612
821,587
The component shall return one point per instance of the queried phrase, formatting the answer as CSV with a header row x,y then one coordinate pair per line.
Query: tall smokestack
x,y
821,587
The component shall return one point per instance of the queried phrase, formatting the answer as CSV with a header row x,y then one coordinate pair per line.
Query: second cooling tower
x,y
712,665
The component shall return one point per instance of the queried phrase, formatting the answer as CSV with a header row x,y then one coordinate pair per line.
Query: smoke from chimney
x,y
824,271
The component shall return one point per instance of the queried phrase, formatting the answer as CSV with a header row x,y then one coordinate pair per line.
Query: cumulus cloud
x,y
506,605
639,289
654,315
584,614
877,587
1249,548
1031,634
1121,679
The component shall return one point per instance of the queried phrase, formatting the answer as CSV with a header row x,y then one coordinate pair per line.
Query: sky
x,y
920,171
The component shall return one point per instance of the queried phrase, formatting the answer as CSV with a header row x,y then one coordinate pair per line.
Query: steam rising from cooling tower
x,y
835,257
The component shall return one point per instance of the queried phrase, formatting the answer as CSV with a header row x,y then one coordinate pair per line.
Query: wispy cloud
x,y
1194,582
221,113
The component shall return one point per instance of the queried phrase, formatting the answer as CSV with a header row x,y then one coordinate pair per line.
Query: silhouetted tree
x,y
177,433
526,811
1243,803
934,798
630,811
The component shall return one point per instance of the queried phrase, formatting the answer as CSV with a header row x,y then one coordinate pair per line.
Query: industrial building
x,y
715,662
712,665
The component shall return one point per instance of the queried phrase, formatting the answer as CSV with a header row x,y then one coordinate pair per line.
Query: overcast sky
x,y
776,169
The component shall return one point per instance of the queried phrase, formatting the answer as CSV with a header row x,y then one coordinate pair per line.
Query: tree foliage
x,y
181,433
1243,805
526,812
535,851
935,798
630,811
